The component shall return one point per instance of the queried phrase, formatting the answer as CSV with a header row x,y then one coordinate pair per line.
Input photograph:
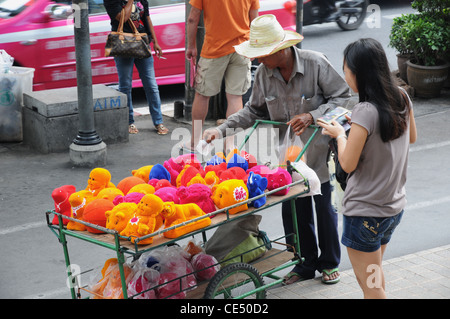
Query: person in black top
x,y
138,11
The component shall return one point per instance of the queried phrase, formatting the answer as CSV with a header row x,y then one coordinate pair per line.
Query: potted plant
x,y
426,36
398,39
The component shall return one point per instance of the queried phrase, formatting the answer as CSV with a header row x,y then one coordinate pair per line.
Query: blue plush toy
x,y
158,171
215,160
256,185
239,161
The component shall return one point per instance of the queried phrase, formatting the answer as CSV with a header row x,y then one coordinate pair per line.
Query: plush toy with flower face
x,y
230,192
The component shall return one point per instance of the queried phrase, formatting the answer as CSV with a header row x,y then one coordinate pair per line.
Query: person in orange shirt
x,y
227,23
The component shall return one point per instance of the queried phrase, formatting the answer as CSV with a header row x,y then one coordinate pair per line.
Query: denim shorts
x,y
367,234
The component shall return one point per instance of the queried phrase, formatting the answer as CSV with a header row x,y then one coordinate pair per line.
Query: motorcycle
x,y
349,15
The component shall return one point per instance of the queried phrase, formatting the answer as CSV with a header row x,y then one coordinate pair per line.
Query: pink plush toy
x,y
168,194
198,194
276,178
128,198
61,196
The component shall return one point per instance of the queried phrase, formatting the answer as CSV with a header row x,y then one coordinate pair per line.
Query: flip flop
x,y
291,278
329,272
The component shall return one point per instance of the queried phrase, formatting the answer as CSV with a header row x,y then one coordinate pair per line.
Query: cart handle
x,y
257,122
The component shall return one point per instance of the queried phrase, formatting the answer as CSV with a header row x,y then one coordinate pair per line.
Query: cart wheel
x,y
234,280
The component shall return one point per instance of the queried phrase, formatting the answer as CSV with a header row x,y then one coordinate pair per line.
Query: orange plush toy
x,y
128,182
109,193
175,214
230,192
99,178
146,219
78,202
94,213
118,217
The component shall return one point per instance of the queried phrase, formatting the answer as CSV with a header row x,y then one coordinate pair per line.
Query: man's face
x,y
271,61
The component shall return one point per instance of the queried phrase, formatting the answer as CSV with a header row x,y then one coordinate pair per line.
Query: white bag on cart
x,y
303,171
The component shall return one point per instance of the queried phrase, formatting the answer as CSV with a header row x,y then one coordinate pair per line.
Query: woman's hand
x,y
333,130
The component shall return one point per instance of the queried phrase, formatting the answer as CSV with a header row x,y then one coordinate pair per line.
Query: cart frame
x,y
112,240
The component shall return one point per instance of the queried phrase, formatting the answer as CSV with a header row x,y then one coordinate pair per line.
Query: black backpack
x,y
341,175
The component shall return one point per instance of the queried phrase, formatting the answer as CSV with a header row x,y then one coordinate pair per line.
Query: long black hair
x,y
367,60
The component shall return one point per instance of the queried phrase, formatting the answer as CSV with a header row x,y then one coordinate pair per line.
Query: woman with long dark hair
x,y
375,155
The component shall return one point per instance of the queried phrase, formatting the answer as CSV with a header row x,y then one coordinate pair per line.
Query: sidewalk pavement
x,y
423,274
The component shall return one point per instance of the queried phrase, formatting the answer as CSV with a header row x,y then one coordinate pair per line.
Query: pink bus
x,y
39,34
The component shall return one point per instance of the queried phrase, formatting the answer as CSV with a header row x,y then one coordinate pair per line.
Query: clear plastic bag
x,y
291,148
6,62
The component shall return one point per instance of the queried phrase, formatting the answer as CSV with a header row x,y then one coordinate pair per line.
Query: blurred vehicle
x,y
39,34
349,16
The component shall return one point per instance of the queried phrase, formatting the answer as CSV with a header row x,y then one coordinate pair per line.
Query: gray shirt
x,y
314,78
377,186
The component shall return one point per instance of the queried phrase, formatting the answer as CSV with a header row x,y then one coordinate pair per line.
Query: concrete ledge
x,y
88,155
50,118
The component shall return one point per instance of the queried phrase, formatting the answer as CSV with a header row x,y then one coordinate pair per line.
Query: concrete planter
x,y
427,81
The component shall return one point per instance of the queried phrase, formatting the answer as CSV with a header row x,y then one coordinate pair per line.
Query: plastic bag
x,y
142,281
290,148
206,266
193,248
302,171
6,62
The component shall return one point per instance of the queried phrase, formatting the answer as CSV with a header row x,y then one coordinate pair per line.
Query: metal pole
x,y
86,133
299,20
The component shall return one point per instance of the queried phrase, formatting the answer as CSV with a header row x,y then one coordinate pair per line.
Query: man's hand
x,y
300,122
211,134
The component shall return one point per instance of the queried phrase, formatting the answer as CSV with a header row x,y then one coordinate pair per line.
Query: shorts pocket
x,y
373,229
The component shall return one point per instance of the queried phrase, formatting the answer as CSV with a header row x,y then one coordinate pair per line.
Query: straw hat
x,y
267,36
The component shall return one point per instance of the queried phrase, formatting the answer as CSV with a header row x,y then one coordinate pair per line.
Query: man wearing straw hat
x,y
296,87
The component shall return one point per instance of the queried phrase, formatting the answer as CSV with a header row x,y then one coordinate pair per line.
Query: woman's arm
x,y
156,46
128,7
412,128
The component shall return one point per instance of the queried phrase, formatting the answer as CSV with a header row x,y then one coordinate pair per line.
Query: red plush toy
x,y
205,265
94,213
61,196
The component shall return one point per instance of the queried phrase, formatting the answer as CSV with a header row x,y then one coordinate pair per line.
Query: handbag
x,y
128,45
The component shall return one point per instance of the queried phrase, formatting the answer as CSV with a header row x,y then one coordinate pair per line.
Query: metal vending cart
x,y
236,280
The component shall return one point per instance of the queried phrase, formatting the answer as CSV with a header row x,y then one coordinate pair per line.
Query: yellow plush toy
x,y
109,193
142,172
230,192
118,217
146,219
175,214
142,188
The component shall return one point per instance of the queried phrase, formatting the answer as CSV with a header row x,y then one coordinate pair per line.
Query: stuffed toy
x,y
128,182
169,287
168,194
142,188
109,193
233,173
163,183
215,160
230,192
110,285
187,174
198,194
142,172
197,179
78,202
276,178
128,198
60,197
99,178
118,217
174,169
94,213
205,266
146,219
139,286
211,179
237,161
175,214
218,169
158,171
256,185
231,154
251,160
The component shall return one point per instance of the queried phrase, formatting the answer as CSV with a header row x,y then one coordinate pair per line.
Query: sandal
x,y
132,129
292,277
330,272
161,129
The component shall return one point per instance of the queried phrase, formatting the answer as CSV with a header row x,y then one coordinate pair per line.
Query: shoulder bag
x,y
129,45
